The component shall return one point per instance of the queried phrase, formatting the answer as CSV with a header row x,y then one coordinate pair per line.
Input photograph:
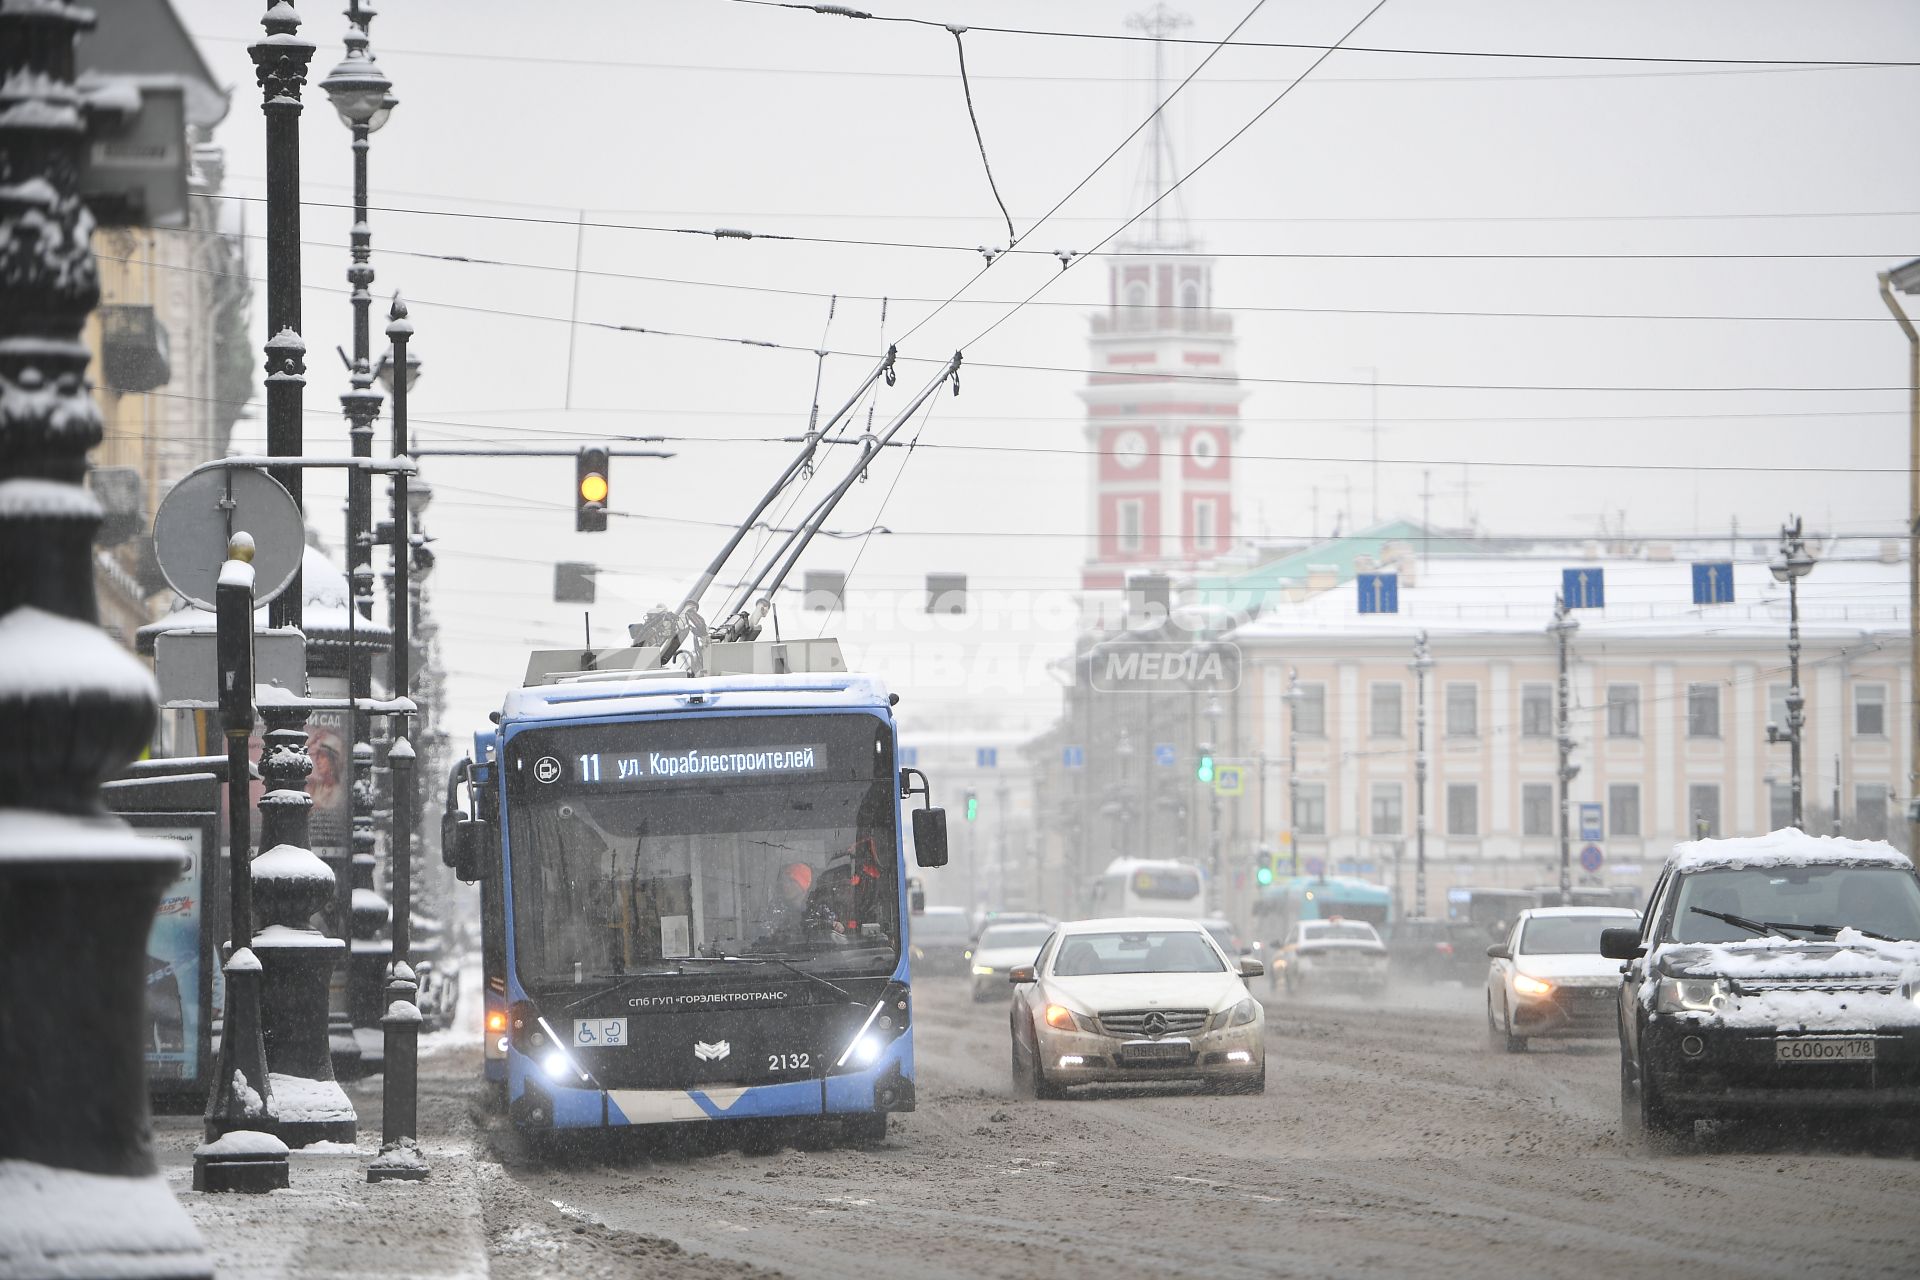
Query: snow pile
x,y
404,1154
47,499
1854,983
60,1223
243,1142
252,1105
1784,848
281,936
298,1100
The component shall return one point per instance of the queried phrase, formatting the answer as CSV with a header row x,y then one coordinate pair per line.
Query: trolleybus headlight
x,y
556,1066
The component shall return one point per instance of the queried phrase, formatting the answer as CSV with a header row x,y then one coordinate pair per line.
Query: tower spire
x,y
1160,169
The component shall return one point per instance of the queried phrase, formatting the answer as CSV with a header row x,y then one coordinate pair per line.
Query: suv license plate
x,y
1805,1049
1156,1051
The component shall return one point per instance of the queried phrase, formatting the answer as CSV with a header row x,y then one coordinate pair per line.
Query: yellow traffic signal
x,y
590,490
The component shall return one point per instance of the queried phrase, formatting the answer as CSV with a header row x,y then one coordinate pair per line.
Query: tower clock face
x,y
1205,450
1130,449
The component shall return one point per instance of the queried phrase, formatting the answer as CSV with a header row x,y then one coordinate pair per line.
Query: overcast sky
x,y
705,113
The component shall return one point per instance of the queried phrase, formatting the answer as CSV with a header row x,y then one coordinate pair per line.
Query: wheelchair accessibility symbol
x,y
546,769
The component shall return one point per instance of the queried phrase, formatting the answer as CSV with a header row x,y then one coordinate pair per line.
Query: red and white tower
x,y
1163,417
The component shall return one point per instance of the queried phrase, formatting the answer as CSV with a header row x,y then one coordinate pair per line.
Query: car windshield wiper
x,y
1831,930
1741,922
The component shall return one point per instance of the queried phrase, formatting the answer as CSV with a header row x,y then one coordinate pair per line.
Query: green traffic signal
x,y
1265,874
973,806
1203,772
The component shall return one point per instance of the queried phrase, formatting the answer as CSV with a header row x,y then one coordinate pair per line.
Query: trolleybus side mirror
x,y
1620,944
930,837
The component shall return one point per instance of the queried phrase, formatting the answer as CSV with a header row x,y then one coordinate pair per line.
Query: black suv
x,y
1427,950
1778,974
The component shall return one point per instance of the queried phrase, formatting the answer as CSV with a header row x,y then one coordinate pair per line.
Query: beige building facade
x,y
1669,708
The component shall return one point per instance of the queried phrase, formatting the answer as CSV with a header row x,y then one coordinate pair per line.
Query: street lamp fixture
x,y
385,371
1906,279
360,91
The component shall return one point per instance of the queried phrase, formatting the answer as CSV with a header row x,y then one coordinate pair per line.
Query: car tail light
x,y
1444,948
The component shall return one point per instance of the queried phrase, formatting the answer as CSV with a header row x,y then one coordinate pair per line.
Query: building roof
x,y
145,41
1512,594
1264,585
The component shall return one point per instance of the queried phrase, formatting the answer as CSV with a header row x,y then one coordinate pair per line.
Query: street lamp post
x,y
362,95
1292,696
1562,628
1790,564
1906,279
1213,713
1421,664
400,1155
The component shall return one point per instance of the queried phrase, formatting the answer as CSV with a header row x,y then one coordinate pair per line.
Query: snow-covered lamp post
x,y
78,888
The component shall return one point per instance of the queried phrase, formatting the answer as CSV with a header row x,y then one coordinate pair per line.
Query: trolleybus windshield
x,y
667,847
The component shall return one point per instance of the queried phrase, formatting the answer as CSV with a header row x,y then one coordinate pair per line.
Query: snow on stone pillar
x,y
77,888
291,885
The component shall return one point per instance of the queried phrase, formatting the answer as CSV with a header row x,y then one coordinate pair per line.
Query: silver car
x,y
1002,948
1135,998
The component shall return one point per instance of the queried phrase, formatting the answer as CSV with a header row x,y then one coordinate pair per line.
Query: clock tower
x,y
1163,409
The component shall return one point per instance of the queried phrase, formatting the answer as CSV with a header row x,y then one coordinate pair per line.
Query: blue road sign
x,y
1379,592
1590,858
1592,822
909,756
1583,588
1073,757
986,757
1163,754
1713,582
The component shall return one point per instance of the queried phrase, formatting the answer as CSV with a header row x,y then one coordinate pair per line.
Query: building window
x,y
1310,809
1703,711
1388,815
1463,808
1703,810
1384,719
1623,711
1130,513
1203,529
1536,711
1870,810
1190,295
1463,711
1310,711
1536,809
1779,805
1870,710
1623,807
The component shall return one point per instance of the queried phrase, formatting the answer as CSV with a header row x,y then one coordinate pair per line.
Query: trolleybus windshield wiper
x,y
678,966
785,962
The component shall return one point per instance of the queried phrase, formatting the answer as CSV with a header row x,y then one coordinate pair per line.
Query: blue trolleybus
x,y
701,900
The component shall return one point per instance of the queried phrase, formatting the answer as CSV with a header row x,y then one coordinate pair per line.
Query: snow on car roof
x,y
1784,848
1131,924
1534,913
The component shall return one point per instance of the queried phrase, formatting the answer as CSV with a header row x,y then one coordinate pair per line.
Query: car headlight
x,y
1238,1016
1692,995
1527,985
984,970
1061,1018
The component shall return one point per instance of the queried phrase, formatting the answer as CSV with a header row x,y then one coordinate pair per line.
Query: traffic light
x,y
1203,771
973,806
590,490
1263,870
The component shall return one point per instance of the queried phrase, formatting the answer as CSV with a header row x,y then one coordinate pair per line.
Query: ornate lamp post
x,y
1421,664
1791,563
1213,713
362,95
1292,698
78,888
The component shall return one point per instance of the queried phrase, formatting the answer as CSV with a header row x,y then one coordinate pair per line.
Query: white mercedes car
x,y
1549,980
1135,999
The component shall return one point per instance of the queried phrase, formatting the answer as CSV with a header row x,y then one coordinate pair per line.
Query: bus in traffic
x,y
1150,887
1283,905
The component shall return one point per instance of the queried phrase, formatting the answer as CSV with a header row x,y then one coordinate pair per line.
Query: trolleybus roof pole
x,y
796,543
800,461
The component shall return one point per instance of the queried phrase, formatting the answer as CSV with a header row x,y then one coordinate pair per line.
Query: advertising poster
x,y
175,1036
